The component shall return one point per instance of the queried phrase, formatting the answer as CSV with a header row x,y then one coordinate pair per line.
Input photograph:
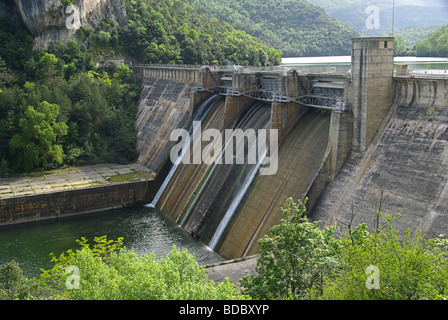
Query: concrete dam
x,y
405,168
342,140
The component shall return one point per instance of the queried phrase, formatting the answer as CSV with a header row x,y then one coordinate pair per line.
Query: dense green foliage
x,y
175,32
37,143
414,34
409,267
108,271
436,45
57,107
13,285
293,26
296,256
431,42
89,111
301,261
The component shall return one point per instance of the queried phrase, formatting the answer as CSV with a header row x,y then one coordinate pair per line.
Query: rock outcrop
x,y
47,19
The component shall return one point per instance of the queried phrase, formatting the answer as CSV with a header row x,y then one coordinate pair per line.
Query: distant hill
x,y
173,31
407,13
414,34
436,45
293,26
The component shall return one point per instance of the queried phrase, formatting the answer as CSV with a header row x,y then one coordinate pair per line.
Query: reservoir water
x,y
419,66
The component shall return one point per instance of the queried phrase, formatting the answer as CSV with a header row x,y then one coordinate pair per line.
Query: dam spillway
x,y
213,189
200,116
300,158
228,206
226,184
357,136
215,203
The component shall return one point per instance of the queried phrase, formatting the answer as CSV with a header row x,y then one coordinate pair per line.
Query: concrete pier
x,y
372,70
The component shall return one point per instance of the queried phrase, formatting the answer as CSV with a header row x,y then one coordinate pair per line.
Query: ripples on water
x,y
143,229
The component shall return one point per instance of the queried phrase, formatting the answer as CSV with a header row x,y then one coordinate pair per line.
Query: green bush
x,y
108,271
409,267
298,260
295,257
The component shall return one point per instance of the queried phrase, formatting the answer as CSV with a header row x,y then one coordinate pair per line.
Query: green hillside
x,y
414,34
175,32
407,13
293,26
436,45
57,107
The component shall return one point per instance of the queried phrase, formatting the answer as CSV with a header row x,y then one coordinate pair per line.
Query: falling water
x,y
236,201
202,112
215,165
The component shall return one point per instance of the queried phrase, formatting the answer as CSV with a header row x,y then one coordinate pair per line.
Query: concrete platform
x,y
71,178
233,269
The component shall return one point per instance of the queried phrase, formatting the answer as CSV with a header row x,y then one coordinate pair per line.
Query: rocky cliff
x,y
47,19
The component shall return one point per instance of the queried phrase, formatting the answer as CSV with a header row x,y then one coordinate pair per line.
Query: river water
x,y
143,228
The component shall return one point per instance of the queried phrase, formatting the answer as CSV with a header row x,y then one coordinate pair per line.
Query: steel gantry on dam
x,y
318,90
323,90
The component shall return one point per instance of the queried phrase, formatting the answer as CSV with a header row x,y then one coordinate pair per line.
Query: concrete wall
x,y
284,116
300,160
188,178
164,105
404,169
371,87
338,150
72,202
340,141
234,107
185,75
168,100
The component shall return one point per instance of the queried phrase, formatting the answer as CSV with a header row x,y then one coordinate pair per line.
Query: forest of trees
x,y
436,45
433,45
57,107
296,27
414,34
175,32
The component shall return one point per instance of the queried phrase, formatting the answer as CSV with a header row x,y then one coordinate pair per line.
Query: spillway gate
x,y
322,91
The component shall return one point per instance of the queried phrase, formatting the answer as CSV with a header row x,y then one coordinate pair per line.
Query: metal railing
x,y
429,73
166,66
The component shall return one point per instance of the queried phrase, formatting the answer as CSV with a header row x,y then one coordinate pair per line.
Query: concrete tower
x,y
372,86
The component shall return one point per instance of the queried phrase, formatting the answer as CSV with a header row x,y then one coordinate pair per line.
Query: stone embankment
x,y
76,190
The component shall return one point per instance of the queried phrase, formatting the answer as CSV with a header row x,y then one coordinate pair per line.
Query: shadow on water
x,y
143,229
